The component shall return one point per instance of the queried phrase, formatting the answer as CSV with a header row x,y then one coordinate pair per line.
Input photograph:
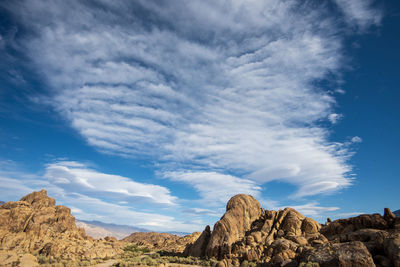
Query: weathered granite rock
x,y
198,248
162,241
392,248
350,254
11,259
287,238
371,221
241,212
36,225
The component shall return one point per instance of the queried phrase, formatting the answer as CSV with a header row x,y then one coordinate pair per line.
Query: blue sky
x,y
154,114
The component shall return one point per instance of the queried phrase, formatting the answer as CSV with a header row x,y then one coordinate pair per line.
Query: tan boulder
x,y
351,254
392,248
28,260
309,226
290,221
241,211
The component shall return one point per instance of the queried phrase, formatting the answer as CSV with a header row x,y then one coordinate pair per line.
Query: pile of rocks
x,y
248,233
36,225
162,241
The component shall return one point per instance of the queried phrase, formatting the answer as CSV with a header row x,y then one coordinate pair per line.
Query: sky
x,y
155,113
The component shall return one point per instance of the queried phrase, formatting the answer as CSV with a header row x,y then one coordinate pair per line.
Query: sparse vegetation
x,y
47,261
141,256
246,263
135,248
308,264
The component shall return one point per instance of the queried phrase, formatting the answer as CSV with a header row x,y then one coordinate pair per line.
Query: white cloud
x,y
200,212
79,178
360,12
313,209
221,87
356,139
340,91
334,118
97,209
215,188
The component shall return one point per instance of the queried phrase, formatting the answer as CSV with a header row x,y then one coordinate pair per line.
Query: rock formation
x,y
162,241
36,225
249,233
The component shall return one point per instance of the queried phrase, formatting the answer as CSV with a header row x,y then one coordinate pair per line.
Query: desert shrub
x,y
148,261
136,248
245,263
309,264
155,256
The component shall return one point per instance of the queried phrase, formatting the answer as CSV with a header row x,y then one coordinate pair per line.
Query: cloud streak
x,y
360,12
79,178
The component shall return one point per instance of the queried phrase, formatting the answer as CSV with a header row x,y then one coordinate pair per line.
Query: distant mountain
x,y
179,233
397,213
1,203
98,229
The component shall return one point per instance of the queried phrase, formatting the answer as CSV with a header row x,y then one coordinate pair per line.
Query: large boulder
x,y
392,248
241,211
351,254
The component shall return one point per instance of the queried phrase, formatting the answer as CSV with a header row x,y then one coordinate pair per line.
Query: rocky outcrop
x,y
248,233
241,212
340,254
198,248
162,241
36,225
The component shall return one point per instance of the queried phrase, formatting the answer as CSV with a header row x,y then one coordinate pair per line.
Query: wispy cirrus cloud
x,y
314,209
360,12
208,88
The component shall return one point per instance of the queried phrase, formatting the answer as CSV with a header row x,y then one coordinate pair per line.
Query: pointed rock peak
x,y
388,214
39,198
